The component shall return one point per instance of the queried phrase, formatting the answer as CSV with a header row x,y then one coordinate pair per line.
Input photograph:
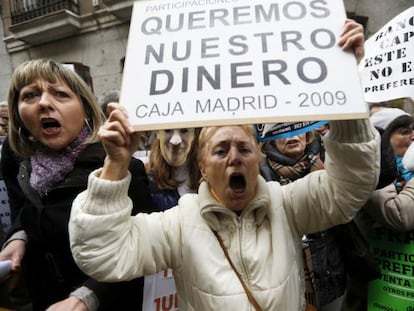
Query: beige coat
x,y
393,210
263,242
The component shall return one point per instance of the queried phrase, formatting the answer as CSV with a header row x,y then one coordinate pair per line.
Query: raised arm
x,y
120,142
351,167
392,209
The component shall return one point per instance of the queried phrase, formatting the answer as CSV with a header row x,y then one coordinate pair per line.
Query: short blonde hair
x,y
208,132
46,69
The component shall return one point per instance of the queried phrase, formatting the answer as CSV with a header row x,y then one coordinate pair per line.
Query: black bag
x,y
360,263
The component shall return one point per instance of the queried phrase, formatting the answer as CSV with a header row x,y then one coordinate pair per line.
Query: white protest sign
x,y
5,216
5,266
387,70
160,292
210,62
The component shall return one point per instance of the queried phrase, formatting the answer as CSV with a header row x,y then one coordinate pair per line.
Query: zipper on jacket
x,y
240,236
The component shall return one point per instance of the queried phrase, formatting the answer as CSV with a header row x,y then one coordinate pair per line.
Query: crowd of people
x,y
210,219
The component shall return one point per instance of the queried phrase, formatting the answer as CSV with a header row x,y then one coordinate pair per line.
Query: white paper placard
x,y
5,266
387,70
211,62
5,216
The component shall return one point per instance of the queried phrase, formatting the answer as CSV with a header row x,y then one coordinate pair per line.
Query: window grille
x,y
25,10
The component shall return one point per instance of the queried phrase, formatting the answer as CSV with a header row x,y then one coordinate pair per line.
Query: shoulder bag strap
x,y
245,287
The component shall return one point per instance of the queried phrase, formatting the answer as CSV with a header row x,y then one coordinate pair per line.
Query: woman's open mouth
x,y
50,126
292,142
237,182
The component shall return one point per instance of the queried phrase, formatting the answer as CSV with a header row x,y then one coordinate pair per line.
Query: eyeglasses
x,y
404,131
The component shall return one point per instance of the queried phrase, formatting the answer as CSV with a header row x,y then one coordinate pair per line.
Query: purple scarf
x,y
49,168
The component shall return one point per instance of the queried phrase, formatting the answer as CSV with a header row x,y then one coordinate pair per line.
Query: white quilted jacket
x,y
263,242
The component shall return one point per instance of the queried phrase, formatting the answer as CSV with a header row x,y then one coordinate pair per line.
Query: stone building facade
x,y
377,12
5,68
94,33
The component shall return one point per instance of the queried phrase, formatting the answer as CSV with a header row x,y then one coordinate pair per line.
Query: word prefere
x,y
212,62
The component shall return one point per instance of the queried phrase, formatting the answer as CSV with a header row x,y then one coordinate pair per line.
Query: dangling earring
x,y
88,125
20,134
24,140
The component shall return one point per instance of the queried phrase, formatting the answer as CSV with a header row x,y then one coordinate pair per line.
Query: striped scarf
x,y
307,163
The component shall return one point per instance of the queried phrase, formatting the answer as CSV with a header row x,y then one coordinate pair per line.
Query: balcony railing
x,y
25,10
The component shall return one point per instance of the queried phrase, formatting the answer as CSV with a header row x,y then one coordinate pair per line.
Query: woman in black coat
x,y
54,122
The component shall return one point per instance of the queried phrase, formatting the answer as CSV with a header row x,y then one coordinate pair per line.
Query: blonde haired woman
x,y
54,121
